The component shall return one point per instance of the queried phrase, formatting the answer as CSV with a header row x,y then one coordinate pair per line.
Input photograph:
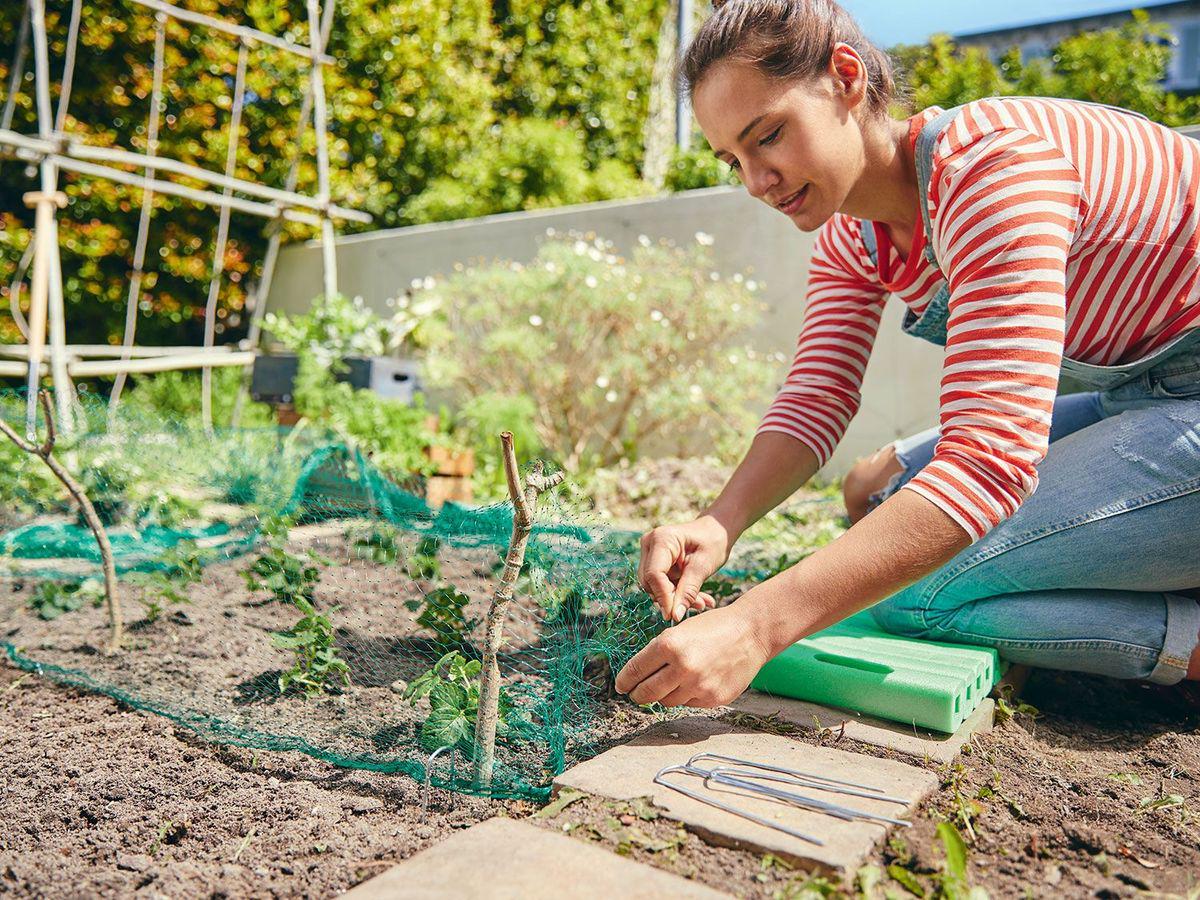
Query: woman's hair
x,y
786,39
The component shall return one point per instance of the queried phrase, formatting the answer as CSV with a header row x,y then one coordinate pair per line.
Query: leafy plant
x,y
443,613
423,565
954,882
289,578
316,659
612,350
52,599
380,543
184,566
452,686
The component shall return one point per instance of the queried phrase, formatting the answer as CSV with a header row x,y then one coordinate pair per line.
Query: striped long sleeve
x,y
1006,210
844,302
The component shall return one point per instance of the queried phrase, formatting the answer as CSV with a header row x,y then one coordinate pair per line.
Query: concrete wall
x,y
900,392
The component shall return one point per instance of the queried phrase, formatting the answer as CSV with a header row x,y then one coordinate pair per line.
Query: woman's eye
x,y
770,138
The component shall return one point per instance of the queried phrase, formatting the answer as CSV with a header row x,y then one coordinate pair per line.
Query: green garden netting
x,y
283,593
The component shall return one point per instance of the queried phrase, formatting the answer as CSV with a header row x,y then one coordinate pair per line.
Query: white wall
x,y
900,391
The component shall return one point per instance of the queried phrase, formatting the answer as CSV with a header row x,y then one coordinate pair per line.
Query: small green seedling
x,y
423,565
52,599
443,613
380,544
316,655
288,577
452,686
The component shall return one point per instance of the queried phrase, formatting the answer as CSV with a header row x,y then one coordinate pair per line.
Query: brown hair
x,y
786,39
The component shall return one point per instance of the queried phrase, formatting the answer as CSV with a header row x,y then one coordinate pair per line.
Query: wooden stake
x,y
524,504
45,451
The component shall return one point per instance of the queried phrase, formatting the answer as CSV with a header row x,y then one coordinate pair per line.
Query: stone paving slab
x,y
909,740
628,771
503,859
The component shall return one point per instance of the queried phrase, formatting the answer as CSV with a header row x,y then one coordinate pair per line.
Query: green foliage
x,y
183,566
1123,66
175,397
479,420
443,613
316,660
526,164
338,326
52,599
613,351
695,168
380,543
394,434
289,578
423,564
587,65
954,882
452,686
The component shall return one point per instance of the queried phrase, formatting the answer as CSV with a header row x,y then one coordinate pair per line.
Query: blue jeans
x,y
1086,574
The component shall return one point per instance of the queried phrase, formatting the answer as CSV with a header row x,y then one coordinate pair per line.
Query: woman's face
x,y
795,146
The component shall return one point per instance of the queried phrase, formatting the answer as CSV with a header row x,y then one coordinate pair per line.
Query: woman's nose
x,y
759,180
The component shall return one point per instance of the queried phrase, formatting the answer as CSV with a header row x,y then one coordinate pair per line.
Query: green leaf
x,y
448,695
906,878
446,726
956,850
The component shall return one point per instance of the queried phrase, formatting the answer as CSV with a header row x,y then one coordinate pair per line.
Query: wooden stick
x,y
45,451
524,504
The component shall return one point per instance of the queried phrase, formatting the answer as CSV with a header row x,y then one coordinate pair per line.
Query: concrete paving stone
x,y
503,859
906,739
628,771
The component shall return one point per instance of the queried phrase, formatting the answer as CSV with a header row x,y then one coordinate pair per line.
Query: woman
x,y
1025,235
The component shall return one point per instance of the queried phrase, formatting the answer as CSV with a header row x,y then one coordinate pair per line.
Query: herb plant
x,y
443,613
423,565
53,598
380,544
316,657
289,578
452,686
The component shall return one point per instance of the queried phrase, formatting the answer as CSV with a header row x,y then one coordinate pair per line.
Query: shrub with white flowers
x,y
613,351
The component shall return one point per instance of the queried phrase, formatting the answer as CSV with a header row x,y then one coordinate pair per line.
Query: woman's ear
x,y
849,74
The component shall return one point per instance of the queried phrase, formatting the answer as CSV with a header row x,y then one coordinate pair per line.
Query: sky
x,y
888,22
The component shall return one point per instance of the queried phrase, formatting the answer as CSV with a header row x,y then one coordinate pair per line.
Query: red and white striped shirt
x,y
1059,227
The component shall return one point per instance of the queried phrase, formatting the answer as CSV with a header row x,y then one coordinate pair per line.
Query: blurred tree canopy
x,y
439,109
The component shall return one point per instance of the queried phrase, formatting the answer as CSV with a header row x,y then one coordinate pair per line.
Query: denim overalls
x,y
1088,574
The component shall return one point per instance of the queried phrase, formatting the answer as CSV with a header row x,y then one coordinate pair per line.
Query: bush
x,y
175,397
528,164
612,351
697,168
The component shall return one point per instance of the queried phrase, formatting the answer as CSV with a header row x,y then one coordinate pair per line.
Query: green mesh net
x,y
280,592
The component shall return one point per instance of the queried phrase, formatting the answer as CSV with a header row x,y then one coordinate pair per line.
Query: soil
x,y
1098,794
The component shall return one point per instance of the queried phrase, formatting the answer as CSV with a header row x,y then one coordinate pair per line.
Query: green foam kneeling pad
x,y
857,665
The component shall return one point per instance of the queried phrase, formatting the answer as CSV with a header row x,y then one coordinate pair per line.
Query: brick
x,y
503,859
628,771
909,740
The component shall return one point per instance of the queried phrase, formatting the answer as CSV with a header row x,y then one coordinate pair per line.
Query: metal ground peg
x,y
429,775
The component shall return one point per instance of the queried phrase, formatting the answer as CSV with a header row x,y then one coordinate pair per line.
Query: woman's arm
x,y
710,659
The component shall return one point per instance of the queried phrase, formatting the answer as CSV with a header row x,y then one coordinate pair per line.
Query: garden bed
x,y
1095,796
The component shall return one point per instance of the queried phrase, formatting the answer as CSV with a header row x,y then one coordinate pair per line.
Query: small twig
x,y
45,452
524,503
244,844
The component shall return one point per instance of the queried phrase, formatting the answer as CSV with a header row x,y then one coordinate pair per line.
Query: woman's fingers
x,y
661,553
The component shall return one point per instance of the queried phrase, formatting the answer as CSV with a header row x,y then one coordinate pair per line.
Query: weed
x,y
1130,778
963,809
1007,710
53,598
954,883
443,613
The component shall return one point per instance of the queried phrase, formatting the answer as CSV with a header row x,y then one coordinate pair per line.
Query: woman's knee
x,y
868,477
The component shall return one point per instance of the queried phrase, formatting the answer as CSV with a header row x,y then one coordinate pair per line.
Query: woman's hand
x,y
678,559
707,661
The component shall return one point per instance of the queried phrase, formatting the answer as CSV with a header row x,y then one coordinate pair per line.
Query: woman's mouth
x,y
790,205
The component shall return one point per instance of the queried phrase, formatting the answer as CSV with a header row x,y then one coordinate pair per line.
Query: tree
x,y
1124,66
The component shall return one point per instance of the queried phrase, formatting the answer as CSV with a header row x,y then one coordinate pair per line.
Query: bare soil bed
x,y
1096,795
